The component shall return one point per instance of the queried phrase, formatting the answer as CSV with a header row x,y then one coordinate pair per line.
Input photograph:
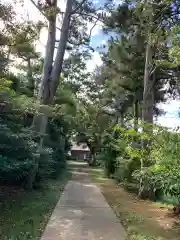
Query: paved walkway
x,y
82,213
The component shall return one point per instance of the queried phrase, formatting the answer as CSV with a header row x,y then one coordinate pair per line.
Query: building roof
x,y
80,147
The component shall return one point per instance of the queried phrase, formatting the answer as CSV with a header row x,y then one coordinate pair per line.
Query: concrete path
x,y
82,213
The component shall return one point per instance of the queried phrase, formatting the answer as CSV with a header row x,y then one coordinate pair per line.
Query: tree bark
x,y
148,99
51,73
44,90
148,104
119,119
40,119
44,93
31,83
136,115
122,119
57,68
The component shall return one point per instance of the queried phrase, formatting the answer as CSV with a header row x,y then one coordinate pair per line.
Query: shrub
x,y
152,170
17,151
45,169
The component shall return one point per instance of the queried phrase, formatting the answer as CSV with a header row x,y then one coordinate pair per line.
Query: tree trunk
x,y
51,73
31,83
57,68
44,91
136,115
40,119
31,176
148,104
116,119
91,160
148,99
122,119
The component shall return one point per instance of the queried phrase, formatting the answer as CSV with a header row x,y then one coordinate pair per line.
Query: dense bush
x,y
17,150
151,171
21,157
57,140
20,152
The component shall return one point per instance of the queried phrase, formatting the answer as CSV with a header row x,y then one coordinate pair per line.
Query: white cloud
x,y
94,62
170,105
171,119
103,42
96,29
117,2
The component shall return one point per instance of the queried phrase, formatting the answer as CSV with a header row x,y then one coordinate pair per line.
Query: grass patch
x,y
142,219
24,215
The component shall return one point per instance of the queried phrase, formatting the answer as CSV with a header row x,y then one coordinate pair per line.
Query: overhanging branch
x,y
96,17
89,37
78,7
36,5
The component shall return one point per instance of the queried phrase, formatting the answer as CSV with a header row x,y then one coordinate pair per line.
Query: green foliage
x,y
45,169
152,170
14,167
19,149
19,152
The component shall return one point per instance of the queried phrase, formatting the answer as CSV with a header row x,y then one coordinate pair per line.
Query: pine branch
x,y
89,37
93,16
78,7
82,42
